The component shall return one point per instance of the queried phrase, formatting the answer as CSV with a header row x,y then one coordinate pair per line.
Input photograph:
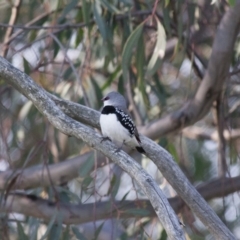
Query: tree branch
x,y
67,125
195,132
34,206
12,20
37,176
212,83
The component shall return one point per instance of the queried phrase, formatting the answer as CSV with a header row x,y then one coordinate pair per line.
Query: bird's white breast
x,y
113,129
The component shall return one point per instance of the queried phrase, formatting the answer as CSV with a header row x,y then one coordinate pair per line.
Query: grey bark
x,y
67,125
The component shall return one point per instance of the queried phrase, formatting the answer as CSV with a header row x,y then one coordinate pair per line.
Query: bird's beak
x,y
103,99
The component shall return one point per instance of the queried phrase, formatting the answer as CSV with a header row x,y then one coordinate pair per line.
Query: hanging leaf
x,y
111,78
67,9
98,92
27,66
100,22
114,186
98,231
159,50
130,44
140,62
166,20
86,11
138,212
86,167
50,225
232,2
21,233
78,234
111,8
55,232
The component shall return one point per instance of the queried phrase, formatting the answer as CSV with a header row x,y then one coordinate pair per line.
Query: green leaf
x,y
78,234
98,92
21,233
151,72
98,231
160,90
171,148
86,181
125,196
33,228
121,85
66,234
202,165
114,186
191,13
163,235
86,167
232,2
56,48
159,50
66,195
138,212
86,11
55,232
67,9
140,62
166,3
166,20
111,8
130,44
50,225
27,68
100,22
111,78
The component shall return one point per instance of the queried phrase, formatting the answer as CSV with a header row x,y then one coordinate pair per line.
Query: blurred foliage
x,y
154,53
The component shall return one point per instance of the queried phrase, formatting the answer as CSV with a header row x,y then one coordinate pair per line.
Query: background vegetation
x,y
156,54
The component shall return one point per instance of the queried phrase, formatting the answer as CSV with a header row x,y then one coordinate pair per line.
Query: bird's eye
x,y
105,98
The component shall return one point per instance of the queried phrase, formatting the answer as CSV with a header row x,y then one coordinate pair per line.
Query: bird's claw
x,y
118,150
105,139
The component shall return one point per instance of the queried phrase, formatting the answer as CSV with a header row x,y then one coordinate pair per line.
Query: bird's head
x,y
115,99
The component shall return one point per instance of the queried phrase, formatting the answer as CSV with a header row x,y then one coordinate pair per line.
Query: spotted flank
x,y
125,120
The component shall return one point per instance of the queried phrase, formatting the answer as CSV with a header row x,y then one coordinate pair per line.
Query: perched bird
x,y
116,124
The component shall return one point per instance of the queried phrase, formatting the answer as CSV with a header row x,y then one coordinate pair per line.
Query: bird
x,y
116,124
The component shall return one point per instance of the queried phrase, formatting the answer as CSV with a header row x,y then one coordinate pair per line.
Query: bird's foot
x,y
118,150
105,139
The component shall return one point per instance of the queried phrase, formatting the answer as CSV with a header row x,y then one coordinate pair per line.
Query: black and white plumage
x,y
116,124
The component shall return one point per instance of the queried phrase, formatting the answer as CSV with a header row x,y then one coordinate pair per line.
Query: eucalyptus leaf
x,y
78,234
100,22
86,167
72,5
130,44
21,234
159,50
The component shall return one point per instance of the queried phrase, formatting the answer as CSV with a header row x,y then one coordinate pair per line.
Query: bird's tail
x,y
140,149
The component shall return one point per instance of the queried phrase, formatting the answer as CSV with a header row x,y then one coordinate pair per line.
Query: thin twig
x,y
222,165
13,18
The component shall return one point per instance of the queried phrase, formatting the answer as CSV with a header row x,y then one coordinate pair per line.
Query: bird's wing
x,y
137,135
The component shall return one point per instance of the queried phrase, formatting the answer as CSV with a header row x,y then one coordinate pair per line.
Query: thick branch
x,y
195,132
212,83
70,127
81,213
37,176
